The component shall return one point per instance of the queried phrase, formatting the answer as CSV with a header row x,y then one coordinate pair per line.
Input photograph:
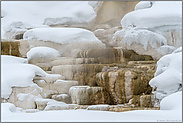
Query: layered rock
x,y
86,95
124,83
68,50
14,47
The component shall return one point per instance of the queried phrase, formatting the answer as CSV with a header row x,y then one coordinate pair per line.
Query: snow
x,y
42,52
143,5
6,59
60,81
168,76
172,102
89,115
166,49
177,50
16,73
141,36
61,35
23,15
162,13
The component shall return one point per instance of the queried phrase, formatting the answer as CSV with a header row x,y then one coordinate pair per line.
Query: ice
x,y
42,52
61,35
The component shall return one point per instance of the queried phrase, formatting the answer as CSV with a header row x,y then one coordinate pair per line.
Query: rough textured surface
x,y
85,95
28,97
123,83
68,50
113,55
17,48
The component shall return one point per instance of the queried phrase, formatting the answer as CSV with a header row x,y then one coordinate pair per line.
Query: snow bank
x,y
161,13
19,16
42,52
168,76
14,73
61,35
172,102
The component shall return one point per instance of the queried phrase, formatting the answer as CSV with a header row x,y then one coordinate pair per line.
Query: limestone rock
x,y
143,101
123,83
113,55
62,97
68,50
57,87
85,95
17,48
25,97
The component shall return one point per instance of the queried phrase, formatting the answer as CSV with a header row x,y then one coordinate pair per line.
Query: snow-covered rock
x,y
150,26
17,75
55,105
22,16
42,52
68,41
161,13
168,76
61,35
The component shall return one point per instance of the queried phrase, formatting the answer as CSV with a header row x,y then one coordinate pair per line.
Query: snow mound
x,y
144,5
168,76
42,52
25,15
172,102
6,59
61,35
14,73
160,14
